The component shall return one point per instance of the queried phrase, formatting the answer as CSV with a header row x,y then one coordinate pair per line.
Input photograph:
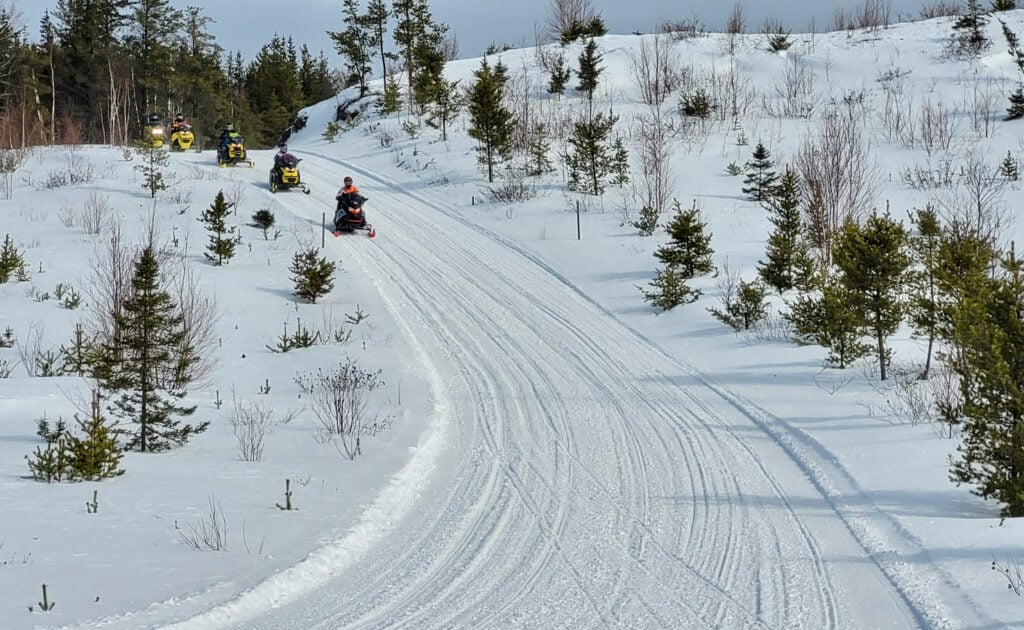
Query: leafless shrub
x,y
684,29
95,213
656,69
938,126
736,22
907,398
981,102
201,173
842,21
76,171
654,137
197,355
840,177
251,422
896,114
339,398
10,161
235,195
794,90
30,348
939,8
873,14
1013,572
112,269
66,215
976,203
6,369
774,328
941,174
511,189
732,92
210,533
563,14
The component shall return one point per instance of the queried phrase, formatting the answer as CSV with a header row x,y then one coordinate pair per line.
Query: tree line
x,y
96,69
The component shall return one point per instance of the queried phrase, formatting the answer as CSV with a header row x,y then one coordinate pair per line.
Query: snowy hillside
x,y
549,451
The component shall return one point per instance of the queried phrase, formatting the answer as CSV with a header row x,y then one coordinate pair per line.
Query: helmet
x,y
348,180
230,127
179,117
283,148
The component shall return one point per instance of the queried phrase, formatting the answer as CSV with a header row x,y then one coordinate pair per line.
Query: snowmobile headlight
x,y
157,131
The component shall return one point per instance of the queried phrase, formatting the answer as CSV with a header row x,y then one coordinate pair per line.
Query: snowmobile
x,y
154,133
286,176
182,138
233,152
350,216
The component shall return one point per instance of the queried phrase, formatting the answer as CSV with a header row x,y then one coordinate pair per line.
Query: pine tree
x,y
874,262
376,21
153,159
150,42
491,123
1016,109
969,30
53,463
313,275
355,44
10,259
788,263
76,354
689,250
450,100
742,307
922,284
760,177
428,82
95,454
560,75
618,164
1004,5
588,159
669,290
152,332
538,162
390,100
589,69
1008,168
991,453
223,238
829,320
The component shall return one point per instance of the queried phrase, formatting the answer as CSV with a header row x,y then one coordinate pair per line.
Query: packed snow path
x,y
588,480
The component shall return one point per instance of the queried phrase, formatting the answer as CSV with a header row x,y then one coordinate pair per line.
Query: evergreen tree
x,y
11,259
152,332
390,100
538,148
991,453
223,238
560,75
428,81
152,35
1008,168
744,308
588,159
95,455
618,164
874,262
198,83
153,159
313,275
689,250
829,320
491,123
56,461
969,30
788,263
355,44
760,177
315,79
1016,109
450,100
589,69
272,90
376,21
922,284
1004,5
669,290
76,355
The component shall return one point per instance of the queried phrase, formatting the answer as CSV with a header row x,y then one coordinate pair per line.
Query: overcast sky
x,y
246,25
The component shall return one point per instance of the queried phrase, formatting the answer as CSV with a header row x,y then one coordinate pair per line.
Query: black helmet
x,y
230,127
179,117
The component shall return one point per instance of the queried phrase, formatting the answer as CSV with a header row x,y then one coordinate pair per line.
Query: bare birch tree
x,y
656,69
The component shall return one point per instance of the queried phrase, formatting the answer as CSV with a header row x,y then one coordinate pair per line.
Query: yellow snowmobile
x,y
154,132
182,138
232,151
286,175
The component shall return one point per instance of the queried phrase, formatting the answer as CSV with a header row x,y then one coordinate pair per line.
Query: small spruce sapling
x,y
312,274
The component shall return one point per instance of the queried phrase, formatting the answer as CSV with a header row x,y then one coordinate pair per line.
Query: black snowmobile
x,y
350,216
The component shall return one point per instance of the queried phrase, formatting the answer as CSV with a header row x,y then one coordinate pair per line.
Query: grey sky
x,y
248,24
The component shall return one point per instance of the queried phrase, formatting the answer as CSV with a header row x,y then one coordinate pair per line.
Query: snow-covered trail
x,y
589,480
